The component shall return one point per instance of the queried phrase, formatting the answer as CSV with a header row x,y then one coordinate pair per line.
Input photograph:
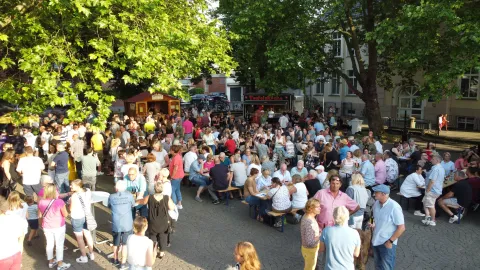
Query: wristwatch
x,y
390,240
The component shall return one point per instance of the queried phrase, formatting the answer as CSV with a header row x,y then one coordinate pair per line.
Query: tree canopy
x,y
59,52
279,43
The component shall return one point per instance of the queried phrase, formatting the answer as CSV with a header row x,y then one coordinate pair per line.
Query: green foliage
x,y
438,38
63,52
195,91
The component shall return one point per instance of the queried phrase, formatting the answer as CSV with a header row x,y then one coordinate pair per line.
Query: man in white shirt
x,y
30,167
29,137
189,158
410,189
283,120
271,113
283,174
239,172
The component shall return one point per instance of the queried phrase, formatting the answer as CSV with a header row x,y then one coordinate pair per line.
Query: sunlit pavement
x,y
206,235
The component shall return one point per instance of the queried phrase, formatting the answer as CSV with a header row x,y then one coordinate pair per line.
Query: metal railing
x,y
400,123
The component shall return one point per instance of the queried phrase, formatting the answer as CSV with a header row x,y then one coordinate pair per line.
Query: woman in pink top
x,y
209,163
176,174
460,163
52,213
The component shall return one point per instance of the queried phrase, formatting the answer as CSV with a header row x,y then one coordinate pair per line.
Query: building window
x,y
336,84
352,80
465,123
410,102
320,86
337,44
469,84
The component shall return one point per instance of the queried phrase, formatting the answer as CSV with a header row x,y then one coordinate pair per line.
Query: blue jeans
x,y
384,257
213,147
61,181
176,193
253,200
142,210
200,180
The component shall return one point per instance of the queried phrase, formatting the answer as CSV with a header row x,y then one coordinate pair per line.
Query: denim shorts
x,y
33,224
79,224
120,237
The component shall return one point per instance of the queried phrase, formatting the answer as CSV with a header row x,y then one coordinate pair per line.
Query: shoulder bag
x,y
91,223
44,214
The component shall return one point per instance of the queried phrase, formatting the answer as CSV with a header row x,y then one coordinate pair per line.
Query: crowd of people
x,y
338,184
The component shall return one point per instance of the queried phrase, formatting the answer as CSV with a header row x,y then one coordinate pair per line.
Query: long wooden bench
x,y
227,193
282,215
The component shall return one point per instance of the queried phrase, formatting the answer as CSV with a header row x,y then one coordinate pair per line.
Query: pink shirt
x,y
328,203
380,172
40,193
54,218
177,161
458,164
187,127
208,165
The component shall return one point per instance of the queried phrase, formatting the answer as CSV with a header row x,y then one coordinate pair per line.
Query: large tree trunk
x,y
372,111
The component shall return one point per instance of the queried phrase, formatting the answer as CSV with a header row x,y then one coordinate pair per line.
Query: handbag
x,y
44,214
91,222
165,203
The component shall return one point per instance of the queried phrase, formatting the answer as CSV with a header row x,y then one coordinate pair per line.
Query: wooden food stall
x,y
142,103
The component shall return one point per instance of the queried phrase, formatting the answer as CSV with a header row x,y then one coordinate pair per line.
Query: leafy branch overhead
x,y
54,53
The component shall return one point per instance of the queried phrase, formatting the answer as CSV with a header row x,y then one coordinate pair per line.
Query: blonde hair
x,y
247,251
115,143
296,179
140,224
78,183
311,205
130,158
357,179
255,159
340,215
14,201
50,191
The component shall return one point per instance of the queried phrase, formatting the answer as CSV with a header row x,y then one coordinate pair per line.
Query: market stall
x,y
142,103
278,104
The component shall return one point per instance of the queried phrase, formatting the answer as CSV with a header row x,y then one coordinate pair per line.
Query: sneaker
x,y
431,223
426,220
114,261
91,256
278,224
64,266
123,266
82,259
418,213
216,202
100,173
198,199
179,206
453,219
53,264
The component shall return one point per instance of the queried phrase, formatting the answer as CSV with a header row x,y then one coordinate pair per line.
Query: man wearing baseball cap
x,y
388,226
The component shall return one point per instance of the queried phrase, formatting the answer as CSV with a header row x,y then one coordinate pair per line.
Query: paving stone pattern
x,y
206,235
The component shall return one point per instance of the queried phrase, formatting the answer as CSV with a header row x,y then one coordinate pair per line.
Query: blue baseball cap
x,y
382,188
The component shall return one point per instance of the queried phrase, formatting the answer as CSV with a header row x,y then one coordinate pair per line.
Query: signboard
x,y
265,98
157,97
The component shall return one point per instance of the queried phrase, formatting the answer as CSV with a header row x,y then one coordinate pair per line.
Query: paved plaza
x,y
206,235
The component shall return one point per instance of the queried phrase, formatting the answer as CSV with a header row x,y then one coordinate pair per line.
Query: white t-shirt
x,y
21,212
283,121
77,211
239,173
271,114
167,189
283,177
12,227
320,137
30,138
31,168
409,186
137,247
188,159
321,177
299,198
160,157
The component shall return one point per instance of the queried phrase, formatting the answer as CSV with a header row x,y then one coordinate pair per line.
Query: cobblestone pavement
x,y
206,235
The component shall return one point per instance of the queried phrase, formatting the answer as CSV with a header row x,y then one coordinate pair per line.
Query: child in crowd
x,y
118,175
32,219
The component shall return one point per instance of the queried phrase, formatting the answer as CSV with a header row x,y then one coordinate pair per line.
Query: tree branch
x,y
22,10
355,45
350,86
